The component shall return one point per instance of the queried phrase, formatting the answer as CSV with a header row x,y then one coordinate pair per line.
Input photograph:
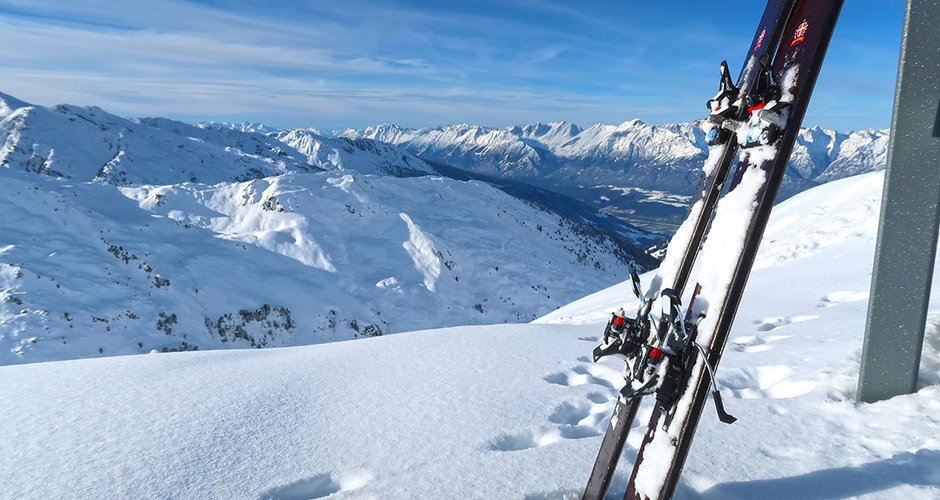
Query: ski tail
x,y
612,445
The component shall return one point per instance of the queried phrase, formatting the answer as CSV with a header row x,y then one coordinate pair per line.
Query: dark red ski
x,y
741,216
683,248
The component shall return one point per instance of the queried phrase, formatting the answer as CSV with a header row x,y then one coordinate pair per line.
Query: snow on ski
x,y
739,223
685,243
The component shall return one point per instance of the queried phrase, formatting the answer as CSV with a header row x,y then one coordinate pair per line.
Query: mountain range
x,y
640,172
124,236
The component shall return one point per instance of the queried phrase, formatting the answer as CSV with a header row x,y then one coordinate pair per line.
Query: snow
x,y
714,157
666,274
752,60
502,411
788,83
421,249
729,230
351,416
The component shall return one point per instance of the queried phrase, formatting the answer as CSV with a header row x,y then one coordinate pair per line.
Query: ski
x,y
696,342
626,337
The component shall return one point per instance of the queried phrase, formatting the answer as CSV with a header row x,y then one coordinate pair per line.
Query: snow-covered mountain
x,y
469,147
498,411
632,154
246,127
89,144
123,236
823,155
637,171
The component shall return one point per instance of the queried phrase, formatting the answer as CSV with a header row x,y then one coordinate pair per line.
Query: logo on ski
x,y
760,39
800,35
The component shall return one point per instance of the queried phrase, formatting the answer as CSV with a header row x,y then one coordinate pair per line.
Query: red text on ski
x,y
800,35
760,39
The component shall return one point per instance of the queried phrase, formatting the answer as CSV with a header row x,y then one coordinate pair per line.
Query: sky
x,y
354,63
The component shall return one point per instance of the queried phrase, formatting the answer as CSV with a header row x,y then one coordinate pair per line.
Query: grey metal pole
x,y
910,212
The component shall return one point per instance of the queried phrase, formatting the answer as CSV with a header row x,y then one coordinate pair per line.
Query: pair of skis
x,y
762,113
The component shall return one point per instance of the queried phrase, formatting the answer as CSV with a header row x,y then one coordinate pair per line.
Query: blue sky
x,y
352,63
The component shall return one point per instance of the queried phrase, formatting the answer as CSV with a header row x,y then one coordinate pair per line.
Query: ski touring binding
x,y
646,372
680,360
623,335
767,112
659,366
721,108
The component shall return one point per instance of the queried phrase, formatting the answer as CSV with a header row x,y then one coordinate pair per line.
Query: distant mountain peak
x,y
634,123
251,127
8,104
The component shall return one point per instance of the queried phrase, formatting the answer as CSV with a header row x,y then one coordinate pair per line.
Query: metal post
x,y
910,212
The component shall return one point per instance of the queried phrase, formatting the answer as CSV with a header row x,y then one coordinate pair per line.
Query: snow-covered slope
x,y
209,236
87,269
509,411
89,144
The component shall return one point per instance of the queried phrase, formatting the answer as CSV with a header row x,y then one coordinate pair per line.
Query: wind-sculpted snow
x,y
421,249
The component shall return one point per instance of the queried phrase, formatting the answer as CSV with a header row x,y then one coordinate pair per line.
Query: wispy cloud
x,y
352,63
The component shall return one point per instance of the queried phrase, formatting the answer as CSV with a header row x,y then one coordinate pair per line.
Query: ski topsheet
x,y
728,255
684,245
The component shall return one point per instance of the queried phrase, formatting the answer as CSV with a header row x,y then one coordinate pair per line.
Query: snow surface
x,y
508,411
